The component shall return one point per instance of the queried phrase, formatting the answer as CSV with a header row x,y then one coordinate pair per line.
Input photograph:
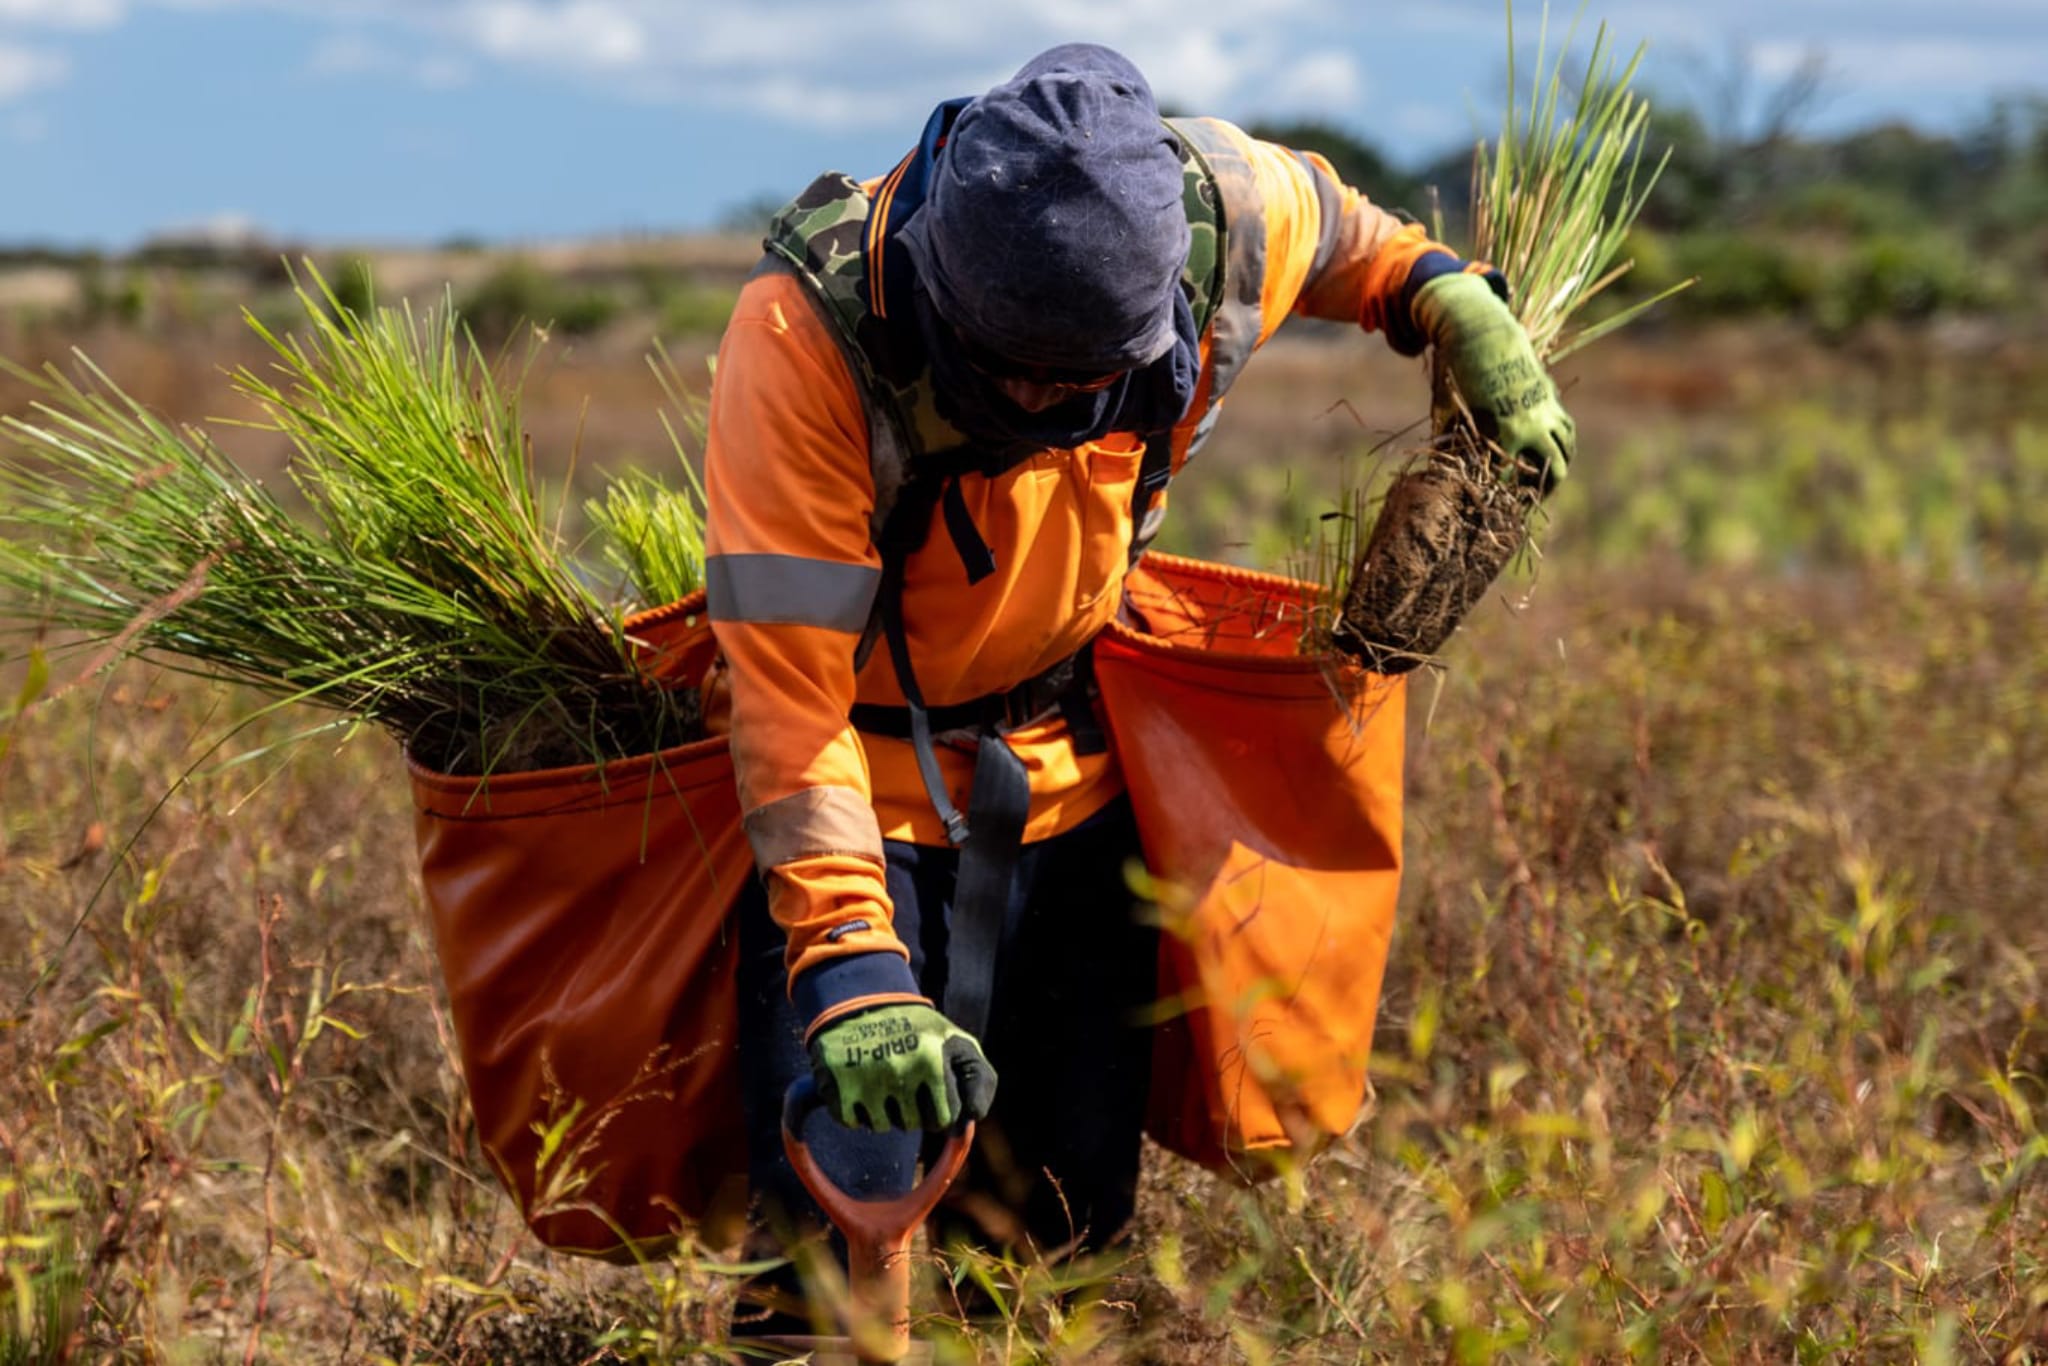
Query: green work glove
x,y
1487,354
900,1066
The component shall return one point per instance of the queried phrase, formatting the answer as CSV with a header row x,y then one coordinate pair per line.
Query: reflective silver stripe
x,y
790,590
1330,206
1203,428
1234,335
815,821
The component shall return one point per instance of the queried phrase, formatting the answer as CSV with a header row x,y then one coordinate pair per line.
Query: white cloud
x,y
347,54
797,100
73,14
597,35
1917,62
1432,125
353,53
831,64
25,70
1322,80
1192,68
227,228
896,57
441,73
826,63
818,63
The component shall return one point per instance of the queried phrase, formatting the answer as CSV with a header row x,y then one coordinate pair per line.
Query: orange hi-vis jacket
x,y
793,570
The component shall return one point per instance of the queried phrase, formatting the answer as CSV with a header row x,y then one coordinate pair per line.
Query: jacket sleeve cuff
x,y
836,981
1404,334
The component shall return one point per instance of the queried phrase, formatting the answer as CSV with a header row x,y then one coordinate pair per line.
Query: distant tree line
x,y
1885,221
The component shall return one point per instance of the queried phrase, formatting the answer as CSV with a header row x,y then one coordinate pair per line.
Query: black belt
x,y
1065,686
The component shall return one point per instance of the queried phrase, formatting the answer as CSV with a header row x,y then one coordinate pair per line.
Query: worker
x,y
944,417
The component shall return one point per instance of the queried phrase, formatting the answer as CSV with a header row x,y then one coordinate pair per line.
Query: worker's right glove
x,y
900,1065
1511,396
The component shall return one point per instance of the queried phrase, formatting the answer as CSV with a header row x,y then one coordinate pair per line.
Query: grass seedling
x,y
426,588
1553,199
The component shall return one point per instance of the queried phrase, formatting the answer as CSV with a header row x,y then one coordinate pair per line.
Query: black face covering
x,y
1146,400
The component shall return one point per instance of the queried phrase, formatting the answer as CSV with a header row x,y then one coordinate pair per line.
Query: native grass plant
x,y
648,530
427,589
1553,200
43,1277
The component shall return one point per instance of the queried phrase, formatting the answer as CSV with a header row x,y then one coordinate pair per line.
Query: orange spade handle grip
x,y
877,1232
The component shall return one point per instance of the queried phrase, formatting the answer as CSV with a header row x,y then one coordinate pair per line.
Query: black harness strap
x,y
1000,803
920,720
905,529
1155,472
990,837
975,556
1077,708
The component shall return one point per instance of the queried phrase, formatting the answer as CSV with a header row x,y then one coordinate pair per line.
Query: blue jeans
x,y
1056,1162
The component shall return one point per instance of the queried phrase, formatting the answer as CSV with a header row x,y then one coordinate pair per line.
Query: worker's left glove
x,y
900,1065
1487,354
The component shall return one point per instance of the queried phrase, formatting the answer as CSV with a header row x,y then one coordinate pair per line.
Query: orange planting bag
x,y
582,921
1267,789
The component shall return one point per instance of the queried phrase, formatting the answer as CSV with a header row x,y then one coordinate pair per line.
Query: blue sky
x,y
417,120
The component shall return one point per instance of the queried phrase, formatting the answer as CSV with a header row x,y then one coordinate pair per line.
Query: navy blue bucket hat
x,y
1054,232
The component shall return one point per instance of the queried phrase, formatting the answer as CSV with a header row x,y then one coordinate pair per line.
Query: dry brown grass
x,y
1712,1033
1713,1030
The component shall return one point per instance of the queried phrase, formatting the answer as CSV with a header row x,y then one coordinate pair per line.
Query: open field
x,y
1713,1030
